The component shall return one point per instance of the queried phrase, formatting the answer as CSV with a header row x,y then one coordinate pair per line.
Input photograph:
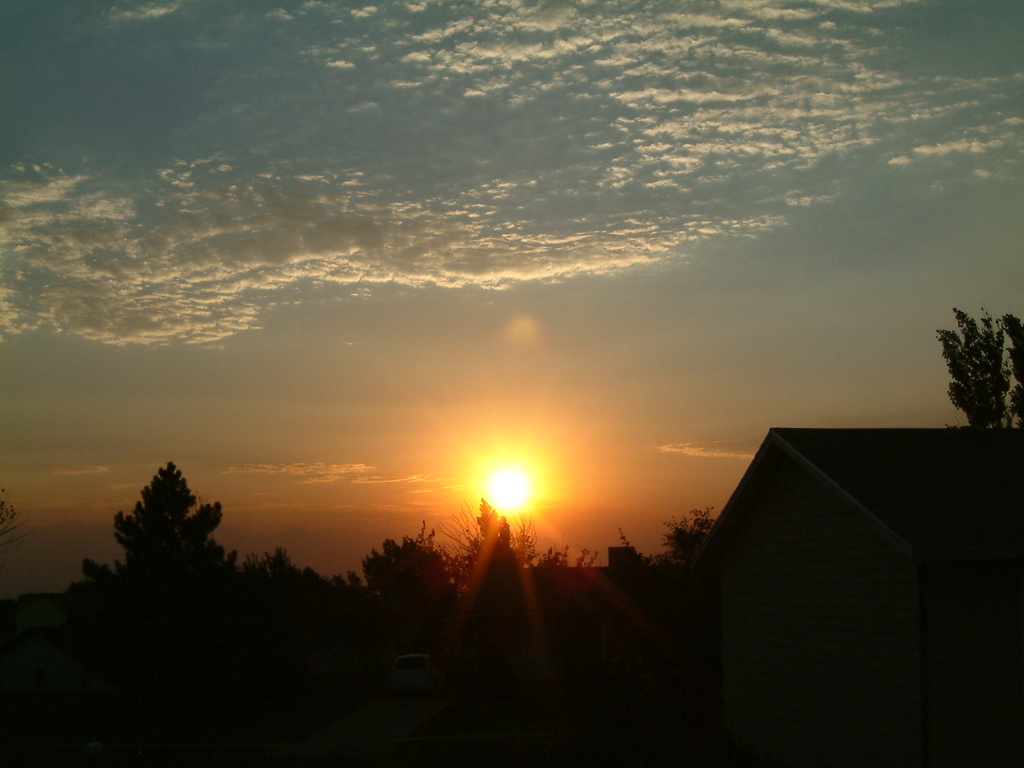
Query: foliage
x,y
586,558
171,621
421,568
414,570
980,376
8,515
519,538
558,557
274,568
488,535
167,544
684,537
1014,330
637,558
279,614
273,638
555,557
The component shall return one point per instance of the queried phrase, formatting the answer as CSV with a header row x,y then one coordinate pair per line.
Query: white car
x,y
415,673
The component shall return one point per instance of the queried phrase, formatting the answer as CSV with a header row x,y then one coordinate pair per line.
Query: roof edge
x,y
773,442
714,540
904,546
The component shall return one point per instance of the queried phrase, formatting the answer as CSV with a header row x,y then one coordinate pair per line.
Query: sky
x,y
339,261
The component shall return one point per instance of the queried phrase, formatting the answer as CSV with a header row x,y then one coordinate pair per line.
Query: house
x,y
871,597
46,661
51,672
40,610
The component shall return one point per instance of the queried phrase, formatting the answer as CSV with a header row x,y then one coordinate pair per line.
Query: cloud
x,y
316,472
322,472
718,449
80,471
963,146
397,479
143,11
479,145
199,268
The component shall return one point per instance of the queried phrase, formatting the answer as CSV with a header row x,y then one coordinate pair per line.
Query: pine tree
x,y
168,550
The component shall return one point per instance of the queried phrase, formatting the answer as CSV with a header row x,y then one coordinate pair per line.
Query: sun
x,y
508,489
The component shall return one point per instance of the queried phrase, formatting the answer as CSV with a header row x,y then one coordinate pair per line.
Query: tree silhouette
x,y
413,581
413,571
7,523
1015,333
275,568
558,557
489,536
166,538
684,537
981,378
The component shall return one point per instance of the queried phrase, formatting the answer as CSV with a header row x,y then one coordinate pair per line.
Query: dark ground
x,y
639,722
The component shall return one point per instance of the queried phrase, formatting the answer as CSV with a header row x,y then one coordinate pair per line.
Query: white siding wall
x,y
37,665
820,642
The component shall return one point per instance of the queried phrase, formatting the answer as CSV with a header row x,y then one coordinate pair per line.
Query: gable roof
x,y
74,646
936,494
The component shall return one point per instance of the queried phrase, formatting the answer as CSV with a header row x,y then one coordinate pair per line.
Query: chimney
x,y
621,558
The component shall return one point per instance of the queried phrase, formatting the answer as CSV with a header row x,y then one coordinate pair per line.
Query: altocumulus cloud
x,y
315,472
322,472
477,143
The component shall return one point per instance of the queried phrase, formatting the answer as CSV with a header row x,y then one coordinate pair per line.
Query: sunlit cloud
x,y
316,472
123,12
718,449
75,471
482,145
964,146
378,479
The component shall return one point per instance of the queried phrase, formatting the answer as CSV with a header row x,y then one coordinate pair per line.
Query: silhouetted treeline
x,y
187,643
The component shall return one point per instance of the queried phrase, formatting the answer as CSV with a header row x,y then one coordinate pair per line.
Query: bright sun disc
x,y
509,489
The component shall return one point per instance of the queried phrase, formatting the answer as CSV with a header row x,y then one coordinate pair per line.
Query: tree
x,y
168,622
1014,330
510,545
414,571
414,579
273,568
555,557
981,378
485,539
558,557
684,537
8,516
166,538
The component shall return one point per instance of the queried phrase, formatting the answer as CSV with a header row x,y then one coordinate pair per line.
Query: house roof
x,y
73,645
76,601
936,494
